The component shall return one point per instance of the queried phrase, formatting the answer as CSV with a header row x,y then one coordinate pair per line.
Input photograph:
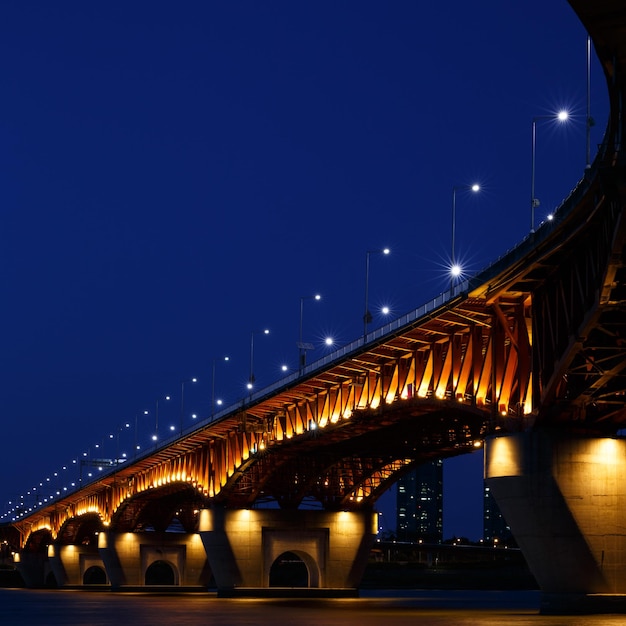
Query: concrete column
x,y
69,563
565,500
242,545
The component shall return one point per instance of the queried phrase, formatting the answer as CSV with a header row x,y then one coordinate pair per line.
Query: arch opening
x,y
289,570
161,573
95,575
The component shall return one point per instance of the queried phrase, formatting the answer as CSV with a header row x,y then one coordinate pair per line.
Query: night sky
x,y
176,176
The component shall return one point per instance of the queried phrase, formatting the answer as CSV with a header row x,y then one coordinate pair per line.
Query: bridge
x,y
527,358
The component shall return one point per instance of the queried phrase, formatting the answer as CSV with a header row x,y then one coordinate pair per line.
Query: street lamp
x,y
156,419
252,379
455,268
136,418
117,451
367,316
213,385
534,202
182,399
302,346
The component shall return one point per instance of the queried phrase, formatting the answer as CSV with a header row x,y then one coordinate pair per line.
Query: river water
x,y
27,607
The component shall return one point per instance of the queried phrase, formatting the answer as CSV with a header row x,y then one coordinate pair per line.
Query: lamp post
x,y
213,385
590,121
561,116
117,451
367,316
302,346
156,420
252,378
455,269
136,419
182,400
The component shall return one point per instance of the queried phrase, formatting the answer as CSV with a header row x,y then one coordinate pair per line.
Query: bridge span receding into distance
x,y
528,357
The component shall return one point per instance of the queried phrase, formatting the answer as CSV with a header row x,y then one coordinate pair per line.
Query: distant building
x,y
420,504
495,528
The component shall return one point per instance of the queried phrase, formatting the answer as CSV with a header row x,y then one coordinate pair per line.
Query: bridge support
x,y
154,559
33,568
74,566
565,501
243,545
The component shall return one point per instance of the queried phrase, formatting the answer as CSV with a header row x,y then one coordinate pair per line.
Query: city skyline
x,y
176,181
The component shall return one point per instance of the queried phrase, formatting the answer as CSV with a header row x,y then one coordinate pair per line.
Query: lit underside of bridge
x,y
534,342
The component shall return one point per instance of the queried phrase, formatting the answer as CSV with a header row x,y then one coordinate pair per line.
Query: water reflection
x,y
21,607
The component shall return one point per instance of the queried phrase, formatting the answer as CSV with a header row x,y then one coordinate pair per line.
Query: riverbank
x,y
483,576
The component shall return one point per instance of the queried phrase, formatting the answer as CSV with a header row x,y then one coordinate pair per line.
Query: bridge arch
x,y
81,530
38,541
353,466
173,506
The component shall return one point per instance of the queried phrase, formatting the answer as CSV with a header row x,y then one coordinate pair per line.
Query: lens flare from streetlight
x,y
475,187
562,116
455,270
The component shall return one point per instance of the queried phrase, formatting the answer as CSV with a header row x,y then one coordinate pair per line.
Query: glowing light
x,y
562,116
475,187
455,270
385,310
329,341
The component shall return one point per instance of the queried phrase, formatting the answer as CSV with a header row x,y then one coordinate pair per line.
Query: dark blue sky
x,y
175,176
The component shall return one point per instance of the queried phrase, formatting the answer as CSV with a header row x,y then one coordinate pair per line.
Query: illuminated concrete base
x,y
76,565
151,559
243,545
565,501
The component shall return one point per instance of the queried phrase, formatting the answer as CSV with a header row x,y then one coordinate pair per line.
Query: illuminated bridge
x,y
529,356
